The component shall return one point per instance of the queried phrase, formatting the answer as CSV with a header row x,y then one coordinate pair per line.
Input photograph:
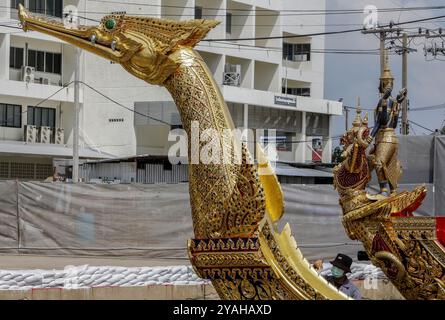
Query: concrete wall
x,y
384,291
266,77
4,55
155,292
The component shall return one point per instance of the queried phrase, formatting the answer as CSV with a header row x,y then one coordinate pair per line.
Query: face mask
x,y
337,272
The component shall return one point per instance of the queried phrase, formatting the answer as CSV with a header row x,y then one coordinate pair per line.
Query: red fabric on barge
x,y
440,229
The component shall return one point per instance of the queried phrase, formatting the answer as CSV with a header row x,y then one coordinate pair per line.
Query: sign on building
x,y
286,101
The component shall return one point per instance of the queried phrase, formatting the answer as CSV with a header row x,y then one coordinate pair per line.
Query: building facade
x,y
269,84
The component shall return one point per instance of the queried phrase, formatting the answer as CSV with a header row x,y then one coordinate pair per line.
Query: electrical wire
x,y
315,34
66,85
134,111
323,33
159,120
308,12
430,108
420,126
301,25
123,106
10,26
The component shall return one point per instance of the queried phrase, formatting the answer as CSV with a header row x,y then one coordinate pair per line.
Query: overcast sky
x,y
350,76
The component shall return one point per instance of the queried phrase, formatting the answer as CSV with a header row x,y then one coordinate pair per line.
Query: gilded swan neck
x,y
226,197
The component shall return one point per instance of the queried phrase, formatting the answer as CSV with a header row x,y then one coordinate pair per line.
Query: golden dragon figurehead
x,y
142,45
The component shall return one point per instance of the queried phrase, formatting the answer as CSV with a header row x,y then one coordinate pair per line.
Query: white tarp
x,y
154,220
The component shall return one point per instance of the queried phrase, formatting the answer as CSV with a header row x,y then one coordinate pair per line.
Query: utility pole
x,y
76,118
404,50
346,109
405,84
383,37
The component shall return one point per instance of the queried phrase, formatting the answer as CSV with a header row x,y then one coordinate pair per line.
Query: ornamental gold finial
x,y
386,75
365,119
358,120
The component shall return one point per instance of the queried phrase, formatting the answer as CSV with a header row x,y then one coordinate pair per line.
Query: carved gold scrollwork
x,y
393,266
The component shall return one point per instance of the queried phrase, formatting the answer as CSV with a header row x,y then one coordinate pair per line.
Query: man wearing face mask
x,y
340,267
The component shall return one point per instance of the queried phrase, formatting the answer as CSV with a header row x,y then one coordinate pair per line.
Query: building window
x,y
228,23
317,124
281,139
198,12
297,51
15,3
48,7
272,118
304,92
10,115
284,141
53,62
45,61
16,57
41,117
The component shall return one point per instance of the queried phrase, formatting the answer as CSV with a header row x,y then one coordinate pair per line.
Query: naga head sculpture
x,y
142,45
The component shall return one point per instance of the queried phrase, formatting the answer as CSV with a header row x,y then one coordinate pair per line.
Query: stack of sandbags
x,y
104,276
359,271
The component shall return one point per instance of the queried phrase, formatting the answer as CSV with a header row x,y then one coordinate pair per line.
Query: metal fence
x,y
156,173
131,172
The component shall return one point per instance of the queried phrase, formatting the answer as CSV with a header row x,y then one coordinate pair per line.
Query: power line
x,y
320,51
287,12
258,24
355,108
400,3
144,115
430,108
10,26
100,93
271,49
153,118
66,85
420,126
123,106
323,33
298,11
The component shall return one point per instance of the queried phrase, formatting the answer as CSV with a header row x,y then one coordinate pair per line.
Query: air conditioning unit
x,y
45,134
59,136
28,74
45,81
300,57
30,134
232,75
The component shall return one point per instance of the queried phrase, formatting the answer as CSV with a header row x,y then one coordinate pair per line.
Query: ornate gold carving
x,y
403,246
237,244
226,199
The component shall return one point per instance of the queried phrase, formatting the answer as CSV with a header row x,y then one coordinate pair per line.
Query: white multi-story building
x,y
268,83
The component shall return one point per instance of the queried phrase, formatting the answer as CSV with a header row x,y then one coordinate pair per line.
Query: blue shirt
x,y
347,288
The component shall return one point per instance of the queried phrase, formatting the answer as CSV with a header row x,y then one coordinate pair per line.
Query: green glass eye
x,y
110,24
